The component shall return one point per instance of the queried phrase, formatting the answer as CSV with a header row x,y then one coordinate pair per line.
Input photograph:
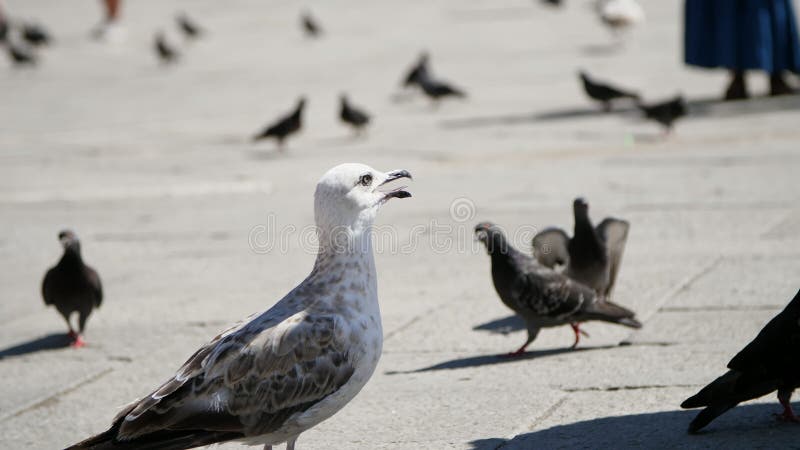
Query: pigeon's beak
x,y
400,192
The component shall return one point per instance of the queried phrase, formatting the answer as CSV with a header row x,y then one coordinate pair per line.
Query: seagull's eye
x,y
365,180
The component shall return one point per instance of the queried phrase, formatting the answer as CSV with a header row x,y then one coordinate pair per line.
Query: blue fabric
x,y
742,34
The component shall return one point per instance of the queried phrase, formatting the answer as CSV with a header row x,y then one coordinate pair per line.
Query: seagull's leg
x,y
576,327
290,443
785,396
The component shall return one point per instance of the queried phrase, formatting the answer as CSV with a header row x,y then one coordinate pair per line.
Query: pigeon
x,y
592,256
166,53
190,29
352,116
267,380
771,362
310,25
72,286
437,90
3,29
418,72
604,93
285,126
35,34
19,55
542,296
619,15
553,3
665,113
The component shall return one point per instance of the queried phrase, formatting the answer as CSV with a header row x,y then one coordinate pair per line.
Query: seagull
x,y
166,53
34,34
267,380
418,72
285,126
771,362
540,295
352,116
604,93
592,256
188,27
72,286
665,113
619,15
310,25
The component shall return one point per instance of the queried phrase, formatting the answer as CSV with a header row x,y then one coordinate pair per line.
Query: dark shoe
x,y
737,90
779,86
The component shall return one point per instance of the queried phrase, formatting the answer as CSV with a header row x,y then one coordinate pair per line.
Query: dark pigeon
x,y
20,56
542,296
592,256
356,118
3,30
285,126
35,34
665,113
771,362
310,25
189,28
72,286
418,72
436,90
604,93
166,53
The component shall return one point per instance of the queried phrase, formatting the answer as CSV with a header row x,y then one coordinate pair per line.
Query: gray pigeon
x,y
72,286
592,256
771,362
540,295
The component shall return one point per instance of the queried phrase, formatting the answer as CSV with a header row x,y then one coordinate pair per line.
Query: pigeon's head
x,y
69,240
350,194
490,235
301,103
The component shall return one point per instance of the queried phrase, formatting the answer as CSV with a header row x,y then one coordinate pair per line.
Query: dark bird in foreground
x,y
604,93
285,126
189,28
592,256
771,362
35,34
542,296
417,72
19,55
72,286
310,25
665,113
166,53
352,116
437,90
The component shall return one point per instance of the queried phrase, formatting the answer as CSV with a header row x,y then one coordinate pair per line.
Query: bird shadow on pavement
x,y
484,360
746,426
503,326
697,107
49,342
602,49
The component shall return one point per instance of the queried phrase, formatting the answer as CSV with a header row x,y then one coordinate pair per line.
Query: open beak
x,y
399,192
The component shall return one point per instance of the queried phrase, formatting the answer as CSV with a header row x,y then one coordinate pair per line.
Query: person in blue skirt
x,y
741,35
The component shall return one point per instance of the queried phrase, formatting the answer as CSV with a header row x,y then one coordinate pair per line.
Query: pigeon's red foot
x,y
72,335
519,352
576,327
78,341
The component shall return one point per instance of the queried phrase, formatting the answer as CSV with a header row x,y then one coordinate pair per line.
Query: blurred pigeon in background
x,y
310,26
189,28
285,126
665,113
604,93
165,52
418,72
355,117
35,34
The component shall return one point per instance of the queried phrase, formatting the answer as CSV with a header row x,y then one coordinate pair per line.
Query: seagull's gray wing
x,y
249,380
550,247
614,233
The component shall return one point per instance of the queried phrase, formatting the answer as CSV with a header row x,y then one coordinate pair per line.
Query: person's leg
x,y
112,9
737,89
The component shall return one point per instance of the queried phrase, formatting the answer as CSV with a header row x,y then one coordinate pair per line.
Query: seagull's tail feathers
x,y
723,394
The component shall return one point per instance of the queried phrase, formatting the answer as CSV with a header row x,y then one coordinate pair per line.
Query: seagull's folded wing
x,y
249,380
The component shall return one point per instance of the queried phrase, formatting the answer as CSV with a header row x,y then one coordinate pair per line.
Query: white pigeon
x,y
266,380
620,14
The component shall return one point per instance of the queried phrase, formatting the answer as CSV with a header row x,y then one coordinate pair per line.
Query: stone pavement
x,y
153,169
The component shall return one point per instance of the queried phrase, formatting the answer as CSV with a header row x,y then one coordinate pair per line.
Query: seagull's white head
x,y
349,195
